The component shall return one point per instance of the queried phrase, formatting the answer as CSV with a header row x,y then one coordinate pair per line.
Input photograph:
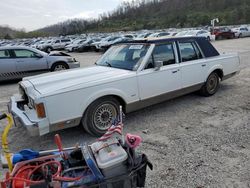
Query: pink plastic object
x,y
133,140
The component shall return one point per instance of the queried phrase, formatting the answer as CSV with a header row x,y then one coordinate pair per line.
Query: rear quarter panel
x,y
228,63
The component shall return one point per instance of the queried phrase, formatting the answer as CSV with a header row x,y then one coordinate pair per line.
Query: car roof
x,y
152,40
206,47
15,47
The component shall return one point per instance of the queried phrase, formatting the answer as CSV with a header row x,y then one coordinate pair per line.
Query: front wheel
x,y
59,67
211,86
99,115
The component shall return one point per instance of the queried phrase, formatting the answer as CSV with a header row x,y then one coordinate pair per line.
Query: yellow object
x,y
5,141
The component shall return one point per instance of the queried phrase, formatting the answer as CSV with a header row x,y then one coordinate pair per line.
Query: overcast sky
x,y
34,14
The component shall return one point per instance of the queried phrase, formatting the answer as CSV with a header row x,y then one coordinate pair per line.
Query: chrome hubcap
x,y
59,67
104,115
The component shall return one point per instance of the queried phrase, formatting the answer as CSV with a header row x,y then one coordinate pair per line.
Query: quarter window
x,y
189,51
4,54
24,53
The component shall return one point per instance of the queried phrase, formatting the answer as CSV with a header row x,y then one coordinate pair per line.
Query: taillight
x,y
40,110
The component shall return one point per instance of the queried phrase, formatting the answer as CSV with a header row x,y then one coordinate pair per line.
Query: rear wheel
x,y
211,86
99,115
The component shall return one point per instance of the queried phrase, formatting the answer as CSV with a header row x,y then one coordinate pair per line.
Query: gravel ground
x,y
192,141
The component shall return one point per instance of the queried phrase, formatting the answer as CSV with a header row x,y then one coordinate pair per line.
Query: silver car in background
x,y
17,62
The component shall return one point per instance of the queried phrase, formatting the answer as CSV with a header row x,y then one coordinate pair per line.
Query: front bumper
x,y
22,118
74,65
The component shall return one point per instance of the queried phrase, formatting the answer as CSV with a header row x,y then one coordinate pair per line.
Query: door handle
x,y
175,71
203,65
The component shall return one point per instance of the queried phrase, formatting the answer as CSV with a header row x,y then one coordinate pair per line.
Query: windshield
x,y
125,56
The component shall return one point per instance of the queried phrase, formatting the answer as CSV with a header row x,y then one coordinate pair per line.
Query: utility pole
x,y
213,23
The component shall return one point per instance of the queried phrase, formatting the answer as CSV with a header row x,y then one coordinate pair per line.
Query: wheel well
x,y
219,72
120,100
58,62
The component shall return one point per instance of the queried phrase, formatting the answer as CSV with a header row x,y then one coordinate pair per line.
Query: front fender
x,y
103,93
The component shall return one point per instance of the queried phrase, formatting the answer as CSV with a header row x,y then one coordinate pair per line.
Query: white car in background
x,y
160,34
200,33
241,32
71,47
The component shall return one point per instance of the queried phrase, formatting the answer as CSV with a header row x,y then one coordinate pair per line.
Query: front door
x,y
27,63
157,84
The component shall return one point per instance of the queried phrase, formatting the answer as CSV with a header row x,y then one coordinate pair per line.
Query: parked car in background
x,y
73,46
45,46
159,34
143,35
200,33
241,32
18,62
58,44
86,45
97,46
106,46
134,75
181,33
223,33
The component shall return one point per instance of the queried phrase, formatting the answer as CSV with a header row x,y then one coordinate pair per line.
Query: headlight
x,y
21,90
71,60
31,103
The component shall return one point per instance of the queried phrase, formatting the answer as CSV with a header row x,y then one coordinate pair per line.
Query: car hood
x,y
68,80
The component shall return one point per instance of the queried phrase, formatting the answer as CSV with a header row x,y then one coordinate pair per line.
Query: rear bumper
x,y
230,75
21,118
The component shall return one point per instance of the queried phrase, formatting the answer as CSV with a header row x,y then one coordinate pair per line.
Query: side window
x,y
57,41
24,53
189,51
164,53
4,54
65,40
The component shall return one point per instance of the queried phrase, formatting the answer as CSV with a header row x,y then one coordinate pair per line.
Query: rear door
x,y
27,62
7,66
192,64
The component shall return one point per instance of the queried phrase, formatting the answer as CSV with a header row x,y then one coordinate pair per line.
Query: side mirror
x,y
38,55
158,65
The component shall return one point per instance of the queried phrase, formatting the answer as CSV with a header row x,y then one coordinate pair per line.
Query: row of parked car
x,y
101,42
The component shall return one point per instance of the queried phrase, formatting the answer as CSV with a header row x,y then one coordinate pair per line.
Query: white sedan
x,y
200,33
134,75
241,32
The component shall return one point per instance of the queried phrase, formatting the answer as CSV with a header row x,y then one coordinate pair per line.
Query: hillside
x,y
7,32
148,14
152,14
